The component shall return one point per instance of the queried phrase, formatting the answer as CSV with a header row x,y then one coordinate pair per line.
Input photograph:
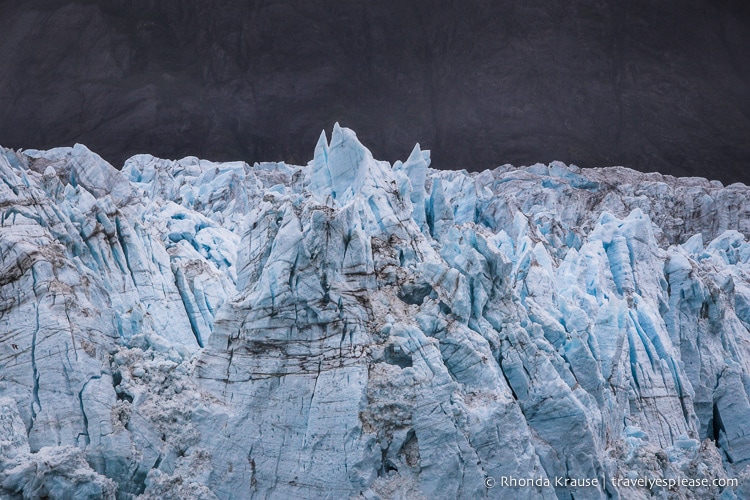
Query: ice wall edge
x,y
352,328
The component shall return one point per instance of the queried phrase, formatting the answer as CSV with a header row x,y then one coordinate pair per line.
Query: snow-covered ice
x,y
352,328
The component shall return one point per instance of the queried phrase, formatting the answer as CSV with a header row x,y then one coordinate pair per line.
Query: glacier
x,y
355,329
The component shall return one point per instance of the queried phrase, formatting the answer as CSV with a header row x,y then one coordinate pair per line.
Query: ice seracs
x,y
354,329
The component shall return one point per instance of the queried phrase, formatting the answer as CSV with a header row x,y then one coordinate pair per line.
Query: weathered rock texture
x,y
652,84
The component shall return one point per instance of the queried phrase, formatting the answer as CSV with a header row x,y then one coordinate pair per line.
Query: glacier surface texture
x,y
356,329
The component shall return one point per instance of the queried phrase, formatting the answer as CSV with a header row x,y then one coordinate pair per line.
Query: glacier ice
x,y
351,328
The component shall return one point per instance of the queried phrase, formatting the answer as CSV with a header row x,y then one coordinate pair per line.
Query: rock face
x,y
189,329
657,85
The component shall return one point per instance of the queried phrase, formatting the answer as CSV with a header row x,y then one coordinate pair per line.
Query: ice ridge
x,y
352,328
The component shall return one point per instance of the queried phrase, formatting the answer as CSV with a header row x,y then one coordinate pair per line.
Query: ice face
x,y
214,330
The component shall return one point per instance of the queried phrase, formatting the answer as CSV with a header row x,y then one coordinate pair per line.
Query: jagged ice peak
x,y
352,328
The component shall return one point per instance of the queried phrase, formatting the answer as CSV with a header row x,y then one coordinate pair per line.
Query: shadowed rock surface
x,y
652,85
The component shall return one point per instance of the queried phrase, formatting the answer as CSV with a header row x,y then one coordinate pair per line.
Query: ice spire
x,y
320,177
416,169
347,159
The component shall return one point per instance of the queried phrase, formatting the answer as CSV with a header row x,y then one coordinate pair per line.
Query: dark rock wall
x,y
654,85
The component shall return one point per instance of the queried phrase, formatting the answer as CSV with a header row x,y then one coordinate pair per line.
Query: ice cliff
x,y
351,328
